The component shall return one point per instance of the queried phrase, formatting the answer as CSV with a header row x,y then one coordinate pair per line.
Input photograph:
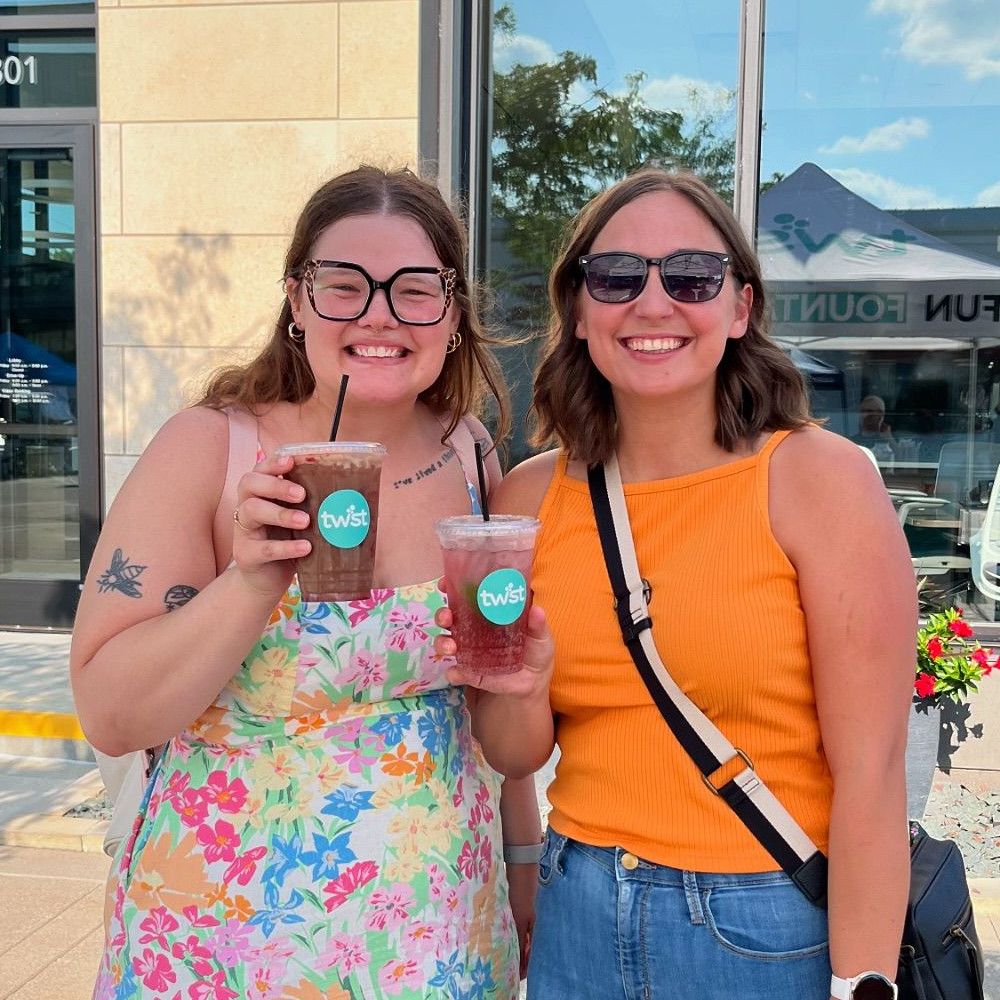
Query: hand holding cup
x,y
532,676
263,551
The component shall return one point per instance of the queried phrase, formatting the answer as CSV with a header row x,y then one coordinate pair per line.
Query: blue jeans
x,y
607,931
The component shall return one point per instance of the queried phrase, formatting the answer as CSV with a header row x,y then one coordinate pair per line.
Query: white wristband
x,y
843,989
523,854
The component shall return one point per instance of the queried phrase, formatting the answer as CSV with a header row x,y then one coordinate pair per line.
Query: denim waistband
x,y
638,869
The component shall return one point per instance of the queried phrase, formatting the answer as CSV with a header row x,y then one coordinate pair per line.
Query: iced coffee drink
x,y
341,480
487,569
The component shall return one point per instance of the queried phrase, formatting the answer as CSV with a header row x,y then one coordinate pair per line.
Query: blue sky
x,y
898,99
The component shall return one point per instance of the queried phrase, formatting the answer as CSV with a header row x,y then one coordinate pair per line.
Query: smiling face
x,y
655,346
388,361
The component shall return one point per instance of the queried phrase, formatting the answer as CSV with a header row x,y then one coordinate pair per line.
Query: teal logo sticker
x,y
344,519
502,596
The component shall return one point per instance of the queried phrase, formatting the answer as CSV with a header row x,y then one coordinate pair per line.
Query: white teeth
x,y
652,344
377,351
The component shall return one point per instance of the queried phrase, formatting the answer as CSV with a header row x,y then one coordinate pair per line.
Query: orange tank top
x,y
729,625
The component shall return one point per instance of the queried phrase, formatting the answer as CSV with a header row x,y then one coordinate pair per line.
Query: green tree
x,y
559,138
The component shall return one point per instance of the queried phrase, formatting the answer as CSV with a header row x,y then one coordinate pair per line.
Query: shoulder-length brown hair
x,y
281,372
757,386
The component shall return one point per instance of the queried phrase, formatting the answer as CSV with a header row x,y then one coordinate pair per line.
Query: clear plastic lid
x,y
500,531
349,449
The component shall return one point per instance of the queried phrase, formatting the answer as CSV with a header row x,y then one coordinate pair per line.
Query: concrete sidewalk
x,y
52,870
52,915
51,923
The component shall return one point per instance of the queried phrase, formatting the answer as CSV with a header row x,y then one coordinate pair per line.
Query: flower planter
x,y
922,737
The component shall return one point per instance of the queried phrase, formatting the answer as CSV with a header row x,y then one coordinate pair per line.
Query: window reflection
x,y
582,95
878,236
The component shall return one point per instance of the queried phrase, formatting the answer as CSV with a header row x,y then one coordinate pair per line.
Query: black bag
x,y
940,957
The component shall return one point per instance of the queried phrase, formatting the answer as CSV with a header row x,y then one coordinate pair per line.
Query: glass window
x,y
878,232
39,7
46,69
583,93
39,435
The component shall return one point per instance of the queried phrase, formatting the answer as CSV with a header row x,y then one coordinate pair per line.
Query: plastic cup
x,y
487,568
341,480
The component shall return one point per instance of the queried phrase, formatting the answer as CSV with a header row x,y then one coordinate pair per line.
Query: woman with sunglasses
x,y
782,602
321,824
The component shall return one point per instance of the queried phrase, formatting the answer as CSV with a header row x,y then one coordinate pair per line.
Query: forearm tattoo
x,y
439,463
179,594
122,576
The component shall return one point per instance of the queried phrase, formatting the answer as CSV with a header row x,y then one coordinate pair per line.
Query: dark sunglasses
x,y
687,276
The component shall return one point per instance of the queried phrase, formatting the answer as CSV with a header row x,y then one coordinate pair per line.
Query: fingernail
x,y
296,492
300,519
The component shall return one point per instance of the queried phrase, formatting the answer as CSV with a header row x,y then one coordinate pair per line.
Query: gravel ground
x,y
970,817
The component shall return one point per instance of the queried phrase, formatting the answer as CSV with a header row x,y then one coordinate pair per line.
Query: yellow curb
x,y
47,725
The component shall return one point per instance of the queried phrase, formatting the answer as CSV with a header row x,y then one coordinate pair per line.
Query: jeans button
x,y
630,861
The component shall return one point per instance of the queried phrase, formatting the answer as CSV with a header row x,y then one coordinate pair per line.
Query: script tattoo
x,y
438,463
122,576
178,595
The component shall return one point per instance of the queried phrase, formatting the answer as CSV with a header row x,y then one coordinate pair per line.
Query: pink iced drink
x,y
487,569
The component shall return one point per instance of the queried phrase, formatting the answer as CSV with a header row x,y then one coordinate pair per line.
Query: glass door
x,y
49,389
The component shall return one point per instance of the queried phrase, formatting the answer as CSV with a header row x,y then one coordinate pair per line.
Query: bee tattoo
x,y
121,575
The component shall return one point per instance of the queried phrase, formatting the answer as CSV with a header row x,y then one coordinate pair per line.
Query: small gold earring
x,y
297,337
453,341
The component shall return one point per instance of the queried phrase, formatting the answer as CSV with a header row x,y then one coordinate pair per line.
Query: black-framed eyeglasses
x,y
687,276
341,291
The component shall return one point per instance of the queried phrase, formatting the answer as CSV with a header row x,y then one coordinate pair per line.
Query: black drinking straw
x,y
340,406
481,471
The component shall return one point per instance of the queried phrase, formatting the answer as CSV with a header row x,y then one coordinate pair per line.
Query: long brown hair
x,y
281,372
757,386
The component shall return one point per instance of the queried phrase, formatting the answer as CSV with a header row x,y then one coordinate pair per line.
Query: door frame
x,y
51,604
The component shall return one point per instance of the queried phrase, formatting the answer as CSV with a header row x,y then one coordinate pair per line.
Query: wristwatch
x,y
864,986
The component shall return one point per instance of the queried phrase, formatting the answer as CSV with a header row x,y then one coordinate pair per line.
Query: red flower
x,y
229,797
979,656
925,685
934,649
243,868
960,628
349,881
220,844
154,970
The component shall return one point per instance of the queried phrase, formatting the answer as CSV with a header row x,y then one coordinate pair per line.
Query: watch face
x,y
873,988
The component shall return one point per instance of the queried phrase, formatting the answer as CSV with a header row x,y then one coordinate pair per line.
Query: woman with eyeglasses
x,y
321,824
776,588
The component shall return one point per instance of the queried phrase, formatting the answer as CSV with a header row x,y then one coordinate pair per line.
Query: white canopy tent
x,y
838,266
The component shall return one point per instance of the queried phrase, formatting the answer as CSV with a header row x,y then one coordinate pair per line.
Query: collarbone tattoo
x,y
428,470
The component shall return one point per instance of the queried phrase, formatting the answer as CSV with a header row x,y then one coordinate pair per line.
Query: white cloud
x,y
881,139
808,95
989,197
964,33
886,192
868,78
687,95
520,50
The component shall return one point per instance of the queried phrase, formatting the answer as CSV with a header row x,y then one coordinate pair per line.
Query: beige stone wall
x,y
217,121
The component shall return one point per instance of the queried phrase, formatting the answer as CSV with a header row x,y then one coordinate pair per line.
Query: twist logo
x,y
344,519
502,596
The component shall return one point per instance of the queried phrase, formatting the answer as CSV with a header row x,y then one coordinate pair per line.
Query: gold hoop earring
x,y
300,336
453,341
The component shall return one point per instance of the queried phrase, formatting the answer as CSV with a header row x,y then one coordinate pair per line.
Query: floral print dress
x,y
327,830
